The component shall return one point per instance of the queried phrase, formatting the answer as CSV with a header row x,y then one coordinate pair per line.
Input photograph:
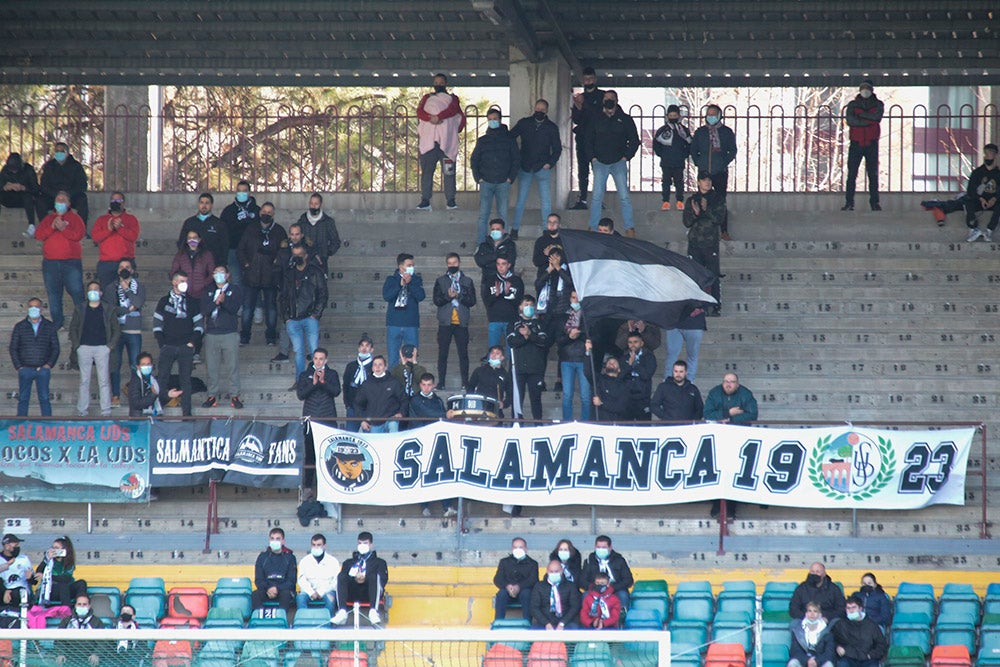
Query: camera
x,y
60,553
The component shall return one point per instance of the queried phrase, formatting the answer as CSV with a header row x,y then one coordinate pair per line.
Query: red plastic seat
x,y
174,622
950,656
501,655
172,654
548,654
725,655
346,659
188,603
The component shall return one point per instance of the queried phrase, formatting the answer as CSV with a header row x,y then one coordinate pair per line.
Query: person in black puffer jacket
x,y
529,344
610,395
257,253
495,163
381,400
18,187
318,386
275,573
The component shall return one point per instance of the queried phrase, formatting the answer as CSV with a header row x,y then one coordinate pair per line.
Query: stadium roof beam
x,y
510,15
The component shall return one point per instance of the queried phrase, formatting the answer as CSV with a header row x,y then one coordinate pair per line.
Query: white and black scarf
x,y
179,304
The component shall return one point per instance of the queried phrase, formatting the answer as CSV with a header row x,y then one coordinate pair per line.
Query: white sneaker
x,y
258,315
373,617
988,235
450,512
30,232
974,234
426,512
340,617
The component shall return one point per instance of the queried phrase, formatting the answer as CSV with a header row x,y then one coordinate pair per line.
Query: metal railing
x,y
280,148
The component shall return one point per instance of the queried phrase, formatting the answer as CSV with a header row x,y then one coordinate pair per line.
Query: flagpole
x,y
593,370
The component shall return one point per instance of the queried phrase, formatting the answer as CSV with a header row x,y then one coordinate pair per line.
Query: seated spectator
x,y
859,640
877,604
381,401
15,576
93,333
601,608
34,350
54,576
144,389
650,334
516,576
984,184
677,399
128,652
318,572
362,579
275,574
18,187
812,640
555,602
62,173
730,402
610,397
607,560
492,380
115,233
408,371
571,559
126,296
82,617
818,588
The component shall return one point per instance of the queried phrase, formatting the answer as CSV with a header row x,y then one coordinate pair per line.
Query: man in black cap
x,y
586,108
863,115
15,574
672,143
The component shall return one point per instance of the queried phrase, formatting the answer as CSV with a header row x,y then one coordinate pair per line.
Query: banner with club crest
x,y
575,463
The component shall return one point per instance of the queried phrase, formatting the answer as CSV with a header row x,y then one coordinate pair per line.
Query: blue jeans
x,y
496,332
488,192
62,274
304,335
544,178
235,272
619,172
571,371
266,298
394,339
690,339
127,341
385,427
329,601
40,376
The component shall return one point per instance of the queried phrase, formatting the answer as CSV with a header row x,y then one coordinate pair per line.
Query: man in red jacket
x,y
60,233
115,233
863,115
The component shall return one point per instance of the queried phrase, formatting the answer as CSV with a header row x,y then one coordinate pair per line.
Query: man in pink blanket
x,y
440,119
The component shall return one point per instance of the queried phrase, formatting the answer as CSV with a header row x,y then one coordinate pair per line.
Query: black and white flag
x,y
615,276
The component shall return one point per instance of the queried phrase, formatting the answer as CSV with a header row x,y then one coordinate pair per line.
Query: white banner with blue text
x,y
588,464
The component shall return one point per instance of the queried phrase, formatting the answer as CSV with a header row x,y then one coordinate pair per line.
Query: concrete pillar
x,y
548,79
126,127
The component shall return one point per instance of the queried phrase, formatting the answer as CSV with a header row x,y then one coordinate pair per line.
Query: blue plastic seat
x,y
148,603
643,618
777,595
960,598
989,651
733,628
659,605
312,619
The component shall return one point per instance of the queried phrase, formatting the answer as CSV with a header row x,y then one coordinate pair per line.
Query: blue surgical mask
x,y
554,578
496,234
529,311
275,545
60,156
34,312
575,305
602,553
220,278
203,216
93,296
854,616
146,370
317,551
409,270
495,363
712,120
81,611
493,124
61,207
564,555
243,197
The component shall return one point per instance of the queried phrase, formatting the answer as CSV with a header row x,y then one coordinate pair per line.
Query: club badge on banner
x,y
575,463
248,453
74,461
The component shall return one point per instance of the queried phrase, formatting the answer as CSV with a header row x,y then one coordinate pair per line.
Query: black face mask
x,y
867,589
116,206
813,579
610,104
126,618
989,163
314,211
124,274
299,261
452,270
553,232
440,89
591,88
266,220
540,116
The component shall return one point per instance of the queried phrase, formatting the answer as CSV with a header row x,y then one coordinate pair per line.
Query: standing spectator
x,y
730,402
981,195
540,150
610,395
672,144
93,333
877,604
362,579
320,230
211,230
440,119
545,243
812,640
863,116
238,217
317,387
62,173
318,572
499,244
703,217
516,575
638,368
554,287
860,642
650,334
125,296
586,108
115,233
178,327
528,343
605,559
302,301
713,147
196,261
257,254
492,380
60,232
144,389
573,360
687,335
356,373
555,602
676,399
408,371
220,306
275,573
601,609
425,404
34,351
502,292
282,261
454,294
403,290
18,188
381,400
495,163
612,141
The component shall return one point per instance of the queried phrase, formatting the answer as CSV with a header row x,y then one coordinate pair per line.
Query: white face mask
x,y
866,93
275,545
182,287
518,553
317,551
364,548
